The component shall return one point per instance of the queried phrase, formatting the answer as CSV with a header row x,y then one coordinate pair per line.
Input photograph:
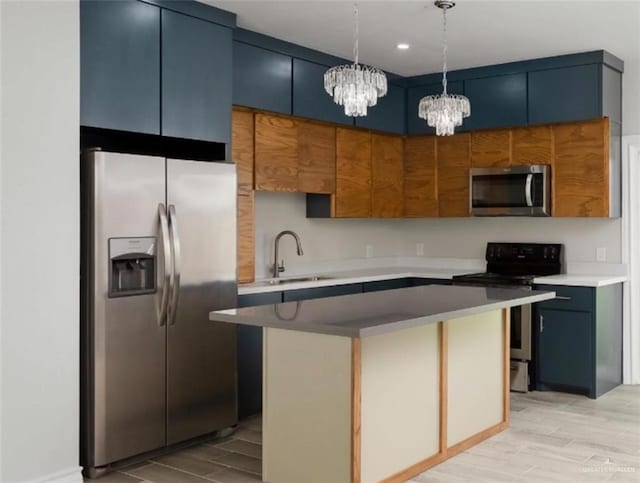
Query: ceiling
x,y
480,32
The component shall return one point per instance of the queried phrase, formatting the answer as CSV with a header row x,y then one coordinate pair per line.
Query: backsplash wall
x,y
449,238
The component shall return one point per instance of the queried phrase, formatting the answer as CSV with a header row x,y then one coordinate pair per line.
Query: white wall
x,y
39,201
449,238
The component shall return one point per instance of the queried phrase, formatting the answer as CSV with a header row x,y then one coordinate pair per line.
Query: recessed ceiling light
x,y
402,46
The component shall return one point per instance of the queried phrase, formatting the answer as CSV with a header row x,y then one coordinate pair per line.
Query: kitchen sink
x,y
315,278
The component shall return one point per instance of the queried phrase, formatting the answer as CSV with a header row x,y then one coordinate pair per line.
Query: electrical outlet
x,y
420,249
368,251
601,254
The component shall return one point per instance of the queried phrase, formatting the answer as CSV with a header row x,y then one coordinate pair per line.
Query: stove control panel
x,y
524,258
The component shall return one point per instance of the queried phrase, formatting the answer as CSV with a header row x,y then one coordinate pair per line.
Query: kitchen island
x,y
381,386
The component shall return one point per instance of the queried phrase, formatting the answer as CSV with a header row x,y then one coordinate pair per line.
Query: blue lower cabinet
x,y
565,348
418,281
309,97
196,78
389,114
387,284
578,339
261,78
120,66
249,355
321,292
416,125
565,94
497,101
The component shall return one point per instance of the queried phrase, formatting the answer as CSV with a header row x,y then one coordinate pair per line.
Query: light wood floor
x,y
553,437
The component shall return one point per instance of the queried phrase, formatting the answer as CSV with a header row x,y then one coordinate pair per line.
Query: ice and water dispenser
x,y
132,266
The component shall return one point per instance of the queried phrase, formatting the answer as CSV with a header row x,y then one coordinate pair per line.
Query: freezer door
x,y
201,355
127,343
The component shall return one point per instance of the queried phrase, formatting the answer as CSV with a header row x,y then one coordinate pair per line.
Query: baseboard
x,y
70,475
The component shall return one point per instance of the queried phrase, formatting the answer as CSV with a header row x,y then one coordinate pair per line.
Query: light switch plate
x,y
368,251
420,249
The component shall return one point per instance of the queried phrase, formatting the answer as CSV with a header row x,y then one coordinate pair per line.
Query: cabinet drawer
x,y
386,284
251,300
321,292
418,281
569,298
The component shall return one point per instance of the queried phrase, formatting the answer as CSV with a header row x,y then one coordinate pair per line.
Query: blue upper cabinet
x,y
416,125
196,78
497,101
120,66
261,78
565,94
309,97
388,114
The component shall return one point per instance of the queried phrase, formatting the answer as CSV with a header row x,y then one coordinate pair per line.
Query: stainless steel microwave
x,y
512,191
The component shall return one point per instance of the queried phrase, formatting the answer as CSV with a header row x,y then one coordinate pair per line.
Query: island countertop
x,y
375,313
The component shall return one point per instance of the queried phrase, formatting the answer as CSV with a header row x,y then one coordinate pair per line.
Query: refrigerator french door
x,y
159,238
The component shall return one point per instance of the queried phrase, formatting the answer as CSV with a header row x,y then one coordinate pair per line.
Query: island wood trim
x,y
444,400
446,453
506,335
356,409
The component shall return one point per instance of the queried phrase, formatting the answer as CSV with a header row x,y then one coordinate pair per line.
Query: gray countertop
x,y
374,313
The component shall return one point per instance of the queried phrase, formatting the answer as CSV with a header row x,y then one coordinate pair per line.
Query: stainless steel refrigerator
x,y
159,253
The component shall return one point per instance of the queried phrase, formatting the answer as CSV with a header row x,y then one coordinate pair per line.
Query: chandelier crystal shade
x,y
355,86
444,111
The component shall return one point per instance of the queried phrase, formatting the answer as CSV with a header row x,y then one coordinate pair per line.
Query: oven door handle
x,y
527,190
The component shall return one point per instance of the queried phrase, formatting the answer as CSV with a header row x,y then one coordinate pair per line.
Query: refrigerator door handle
x,y
175,286
163,302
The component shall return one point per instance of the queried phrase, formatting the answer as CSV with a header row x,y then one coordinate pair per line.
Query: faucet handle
x,y
281,266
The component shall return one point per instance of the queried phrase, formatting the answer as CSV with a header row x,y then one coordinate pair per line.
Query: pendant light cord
x,y
355,33
444,49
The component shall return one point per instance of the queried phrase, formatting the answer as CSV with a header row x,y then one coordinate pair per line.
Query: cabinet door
x,y
416,125
386,176
276,153
353,174
388,114
420,177
316,158
453,175
242,148
497,101
309,97
491,148
120,66
565,94
581,169
196,78
246,238
565,347
261,78
532,145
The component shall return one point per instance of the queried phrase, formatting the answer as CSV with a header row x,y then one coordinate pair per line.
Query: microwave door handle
x,y
527,190
161,308
175,289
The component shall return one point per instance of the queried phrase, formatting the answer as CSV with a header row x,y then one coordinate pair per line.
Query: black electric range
x,y
515,264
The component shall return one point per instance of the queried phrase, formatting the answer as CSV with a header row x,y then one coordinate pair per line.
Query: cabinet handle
x,y
564,299
541,324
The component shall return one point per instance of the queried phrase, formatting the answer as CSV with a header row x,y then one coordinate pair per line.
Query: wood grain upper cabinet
x,y
581,169
532,145
276,153
420,177
491,148
453,154
246,238
353,174
242,148
316,157
386,176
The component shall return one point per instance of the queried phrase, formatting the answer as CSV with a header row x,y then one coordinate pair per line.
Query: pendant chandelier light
x,y
444,111
355,86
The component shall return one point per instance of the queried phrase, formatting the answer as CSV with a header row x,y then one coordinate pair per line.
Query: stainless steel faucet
x,y
277,269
